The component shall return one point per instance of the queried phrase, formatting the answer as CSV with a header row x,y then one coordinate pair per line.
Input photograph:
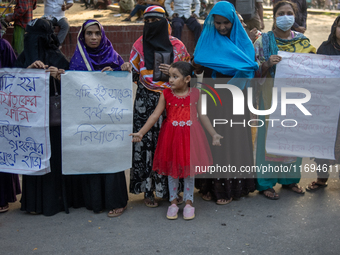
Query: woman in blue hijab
x,y
226,55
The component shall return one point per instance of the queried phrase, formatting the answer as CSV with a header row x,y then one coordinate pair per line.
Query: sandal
x,y
207,197
172,212
318,186
292,186
116,212
224,201
188,212
4,208
271,191
150,202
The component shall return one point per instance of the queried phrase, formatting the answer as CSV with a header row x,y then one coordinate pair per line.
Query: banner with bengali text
x,y
97,114
24,118
311,133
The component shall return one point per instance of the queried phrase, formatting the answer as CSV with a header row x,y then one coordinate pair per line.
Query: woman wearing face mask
x,y
224,52
156,37
266,48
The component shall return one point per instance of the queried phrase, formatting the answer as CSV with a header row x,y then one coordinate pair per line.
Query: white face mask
x,y
285,22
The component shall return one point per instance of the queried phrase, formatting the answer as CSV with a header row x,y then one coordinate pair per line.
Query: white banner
x,y
312,135
97,114
24,118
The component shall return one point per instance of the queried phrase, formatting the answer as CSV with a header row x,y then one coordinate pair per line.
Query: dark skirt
x,y
142,178
9,188
98,192
44,194
236,147
53,192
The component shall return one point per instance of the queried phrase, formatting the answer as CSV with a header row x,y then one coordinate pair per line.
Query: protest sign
x,y
24,134
97,113
303,134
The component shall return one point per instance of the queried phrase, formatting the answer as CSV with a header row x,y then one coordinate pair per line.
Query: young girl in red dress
x,y
182,144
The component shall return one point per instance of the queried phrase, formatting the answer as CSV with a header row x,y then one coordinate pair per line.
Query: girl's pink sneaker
x,y
188,212
172,212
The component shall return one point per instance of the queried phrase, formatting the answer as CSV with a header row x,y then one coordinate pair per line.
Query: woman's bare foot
x,y
318,184
223,201
207,197
116,212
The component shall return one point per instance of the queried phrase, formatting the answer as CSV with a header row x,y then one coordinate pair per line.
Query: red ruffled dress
x,y
182,147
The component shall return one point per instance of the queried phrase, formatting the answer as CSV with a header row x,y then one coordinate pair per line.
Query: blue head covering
x,y
234,56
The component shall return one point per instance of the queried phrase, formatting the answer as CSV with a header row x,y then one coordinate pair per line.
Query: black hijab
x,y
156,38
331,47
40,43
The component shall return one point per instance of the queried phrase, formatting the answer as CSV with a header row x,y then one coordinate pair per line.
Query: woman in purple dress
x,y
9,183
94,52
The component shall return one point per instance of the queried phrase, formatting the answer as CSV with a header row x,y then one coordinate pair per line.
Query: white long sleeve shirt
x,y
53,8
182,7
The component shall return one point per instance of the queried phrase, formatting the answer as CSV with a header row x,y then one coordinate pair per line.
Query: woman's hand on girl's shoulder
x,y
127,66
37,65
107,68
217,139
136,137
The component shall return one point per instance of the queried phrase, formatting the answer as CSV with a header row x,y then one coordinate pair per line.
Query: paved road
x,y
294,224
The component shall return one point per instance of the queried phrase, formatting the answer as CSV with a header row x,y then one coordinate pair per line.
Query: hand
x,y
53,72
60,71
216,140
107,68
194,15
65,7
262,25
252,34
273,60
127,66
175,15
136,137
37,65
164,68
300,29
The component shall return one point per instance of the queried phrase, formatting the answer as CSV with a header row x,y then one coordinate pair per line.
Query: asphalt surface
x,y
294,224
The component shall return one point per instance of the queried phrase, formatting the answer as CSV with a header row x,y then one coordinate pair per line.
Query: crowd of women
x,y
167,143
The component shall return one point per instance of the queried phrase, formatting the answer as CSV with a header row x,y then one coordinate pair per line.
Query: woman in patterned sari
x,y
266,49
156,37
